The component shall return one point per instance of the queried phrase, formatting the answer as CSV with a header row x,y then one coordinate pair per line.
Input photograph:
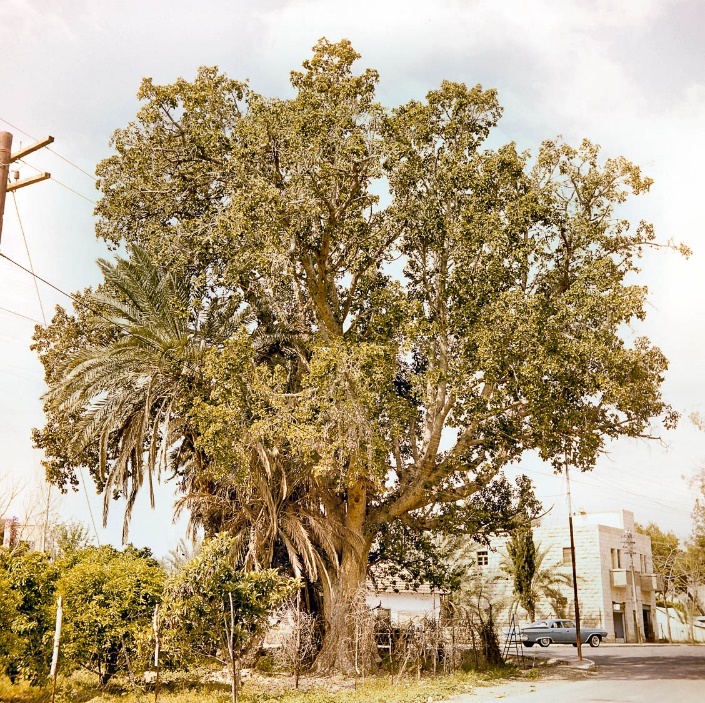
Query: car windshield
x,y
539,624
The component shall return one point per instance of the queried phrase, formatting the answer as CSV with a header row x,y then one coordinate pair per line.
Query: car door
x,y
557,633
568,632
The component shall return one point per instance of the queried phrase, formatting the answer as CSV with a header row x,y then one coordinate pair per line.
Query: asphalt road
x,y
622,674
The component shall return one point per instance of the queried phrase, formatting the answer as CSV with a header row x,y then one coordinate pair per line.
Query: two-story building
x,y
616,584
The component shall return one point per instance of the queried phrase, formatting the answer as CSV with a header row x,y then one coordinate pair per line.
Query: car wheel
x,y
594,640
528,644
545,641
575,644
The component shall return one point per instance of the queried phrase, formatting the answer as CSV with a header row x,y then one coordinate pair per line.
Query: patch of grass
x,y
188,689
379,689
22,693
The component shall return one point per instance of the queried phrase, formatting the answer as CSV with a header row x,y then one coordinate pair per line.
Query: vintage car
x,y
545,632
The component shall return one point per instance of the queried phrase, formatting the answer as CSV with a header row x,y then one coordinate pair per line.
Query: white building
x,y
394,599
14,532
605,560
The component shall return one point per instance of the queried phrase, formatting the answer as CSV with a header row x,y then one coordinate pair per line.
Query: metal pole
x,y
629,543
575,574
5,153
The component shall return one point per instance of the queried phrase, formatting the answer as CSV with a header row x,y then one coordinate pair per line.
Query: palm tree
x,y
133,394
524,564
129,390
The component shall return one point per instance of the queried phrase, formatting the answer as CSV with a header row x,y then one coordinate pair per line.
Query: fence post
x,y
57,643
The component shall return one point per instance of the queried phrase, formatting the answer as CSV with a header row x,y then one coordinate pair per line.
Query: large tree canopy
x,y
336,315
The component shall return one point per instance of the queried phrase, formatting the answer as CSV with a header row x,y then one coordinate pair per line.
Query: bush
x,y
109,600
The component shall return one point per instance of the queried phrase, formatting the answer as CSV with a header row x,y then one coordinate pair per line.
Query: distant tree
x,y
532,581
665,552
682,566
70,537
690,574
698,514
184,551
213,610
9,490
109,599
521,555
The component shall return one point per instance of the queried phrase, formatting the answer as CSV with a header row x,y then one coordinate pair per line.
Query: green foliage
x,y
109,599
215,610
521,553
698,536
68,334
70,537
534,582
665,550
415,557
27,613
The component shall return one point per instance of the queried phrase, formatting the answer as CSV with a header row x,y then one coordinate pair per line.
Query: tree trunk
x,y
668,615
111,666
345,584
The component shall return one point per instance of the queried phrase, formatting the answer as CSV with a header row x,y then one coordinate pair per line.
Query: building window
x,y
567,558
642,563
616,555
483,558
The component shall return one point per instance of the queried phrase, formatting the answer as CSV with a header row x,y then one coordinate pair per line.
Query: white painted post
x,y
57,642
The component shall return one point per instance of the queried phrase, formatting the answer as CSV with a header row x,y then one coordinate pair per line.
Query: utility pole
x,y
629,542
575,573
5,151
6,158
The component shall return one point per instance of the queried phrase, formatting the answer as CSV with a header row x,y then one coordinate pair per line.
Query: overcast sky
x,y
628,74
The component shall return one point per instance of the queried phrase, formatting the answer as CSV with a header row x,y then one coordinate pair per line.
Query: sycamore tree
x,y
336,316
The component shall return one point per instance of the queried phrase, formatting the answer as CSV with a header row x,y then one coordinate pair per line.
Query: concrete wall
x,y
678,626
405,605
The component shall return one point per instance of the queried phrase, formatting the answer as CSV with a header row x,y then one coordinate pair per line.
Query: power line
x,y
12,312
668,504
63,292
39,278
57,181
56,153
80,195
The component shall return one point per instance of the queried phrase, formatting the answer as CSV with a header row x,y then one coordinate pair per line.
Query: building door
x,y
648,624
619,625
